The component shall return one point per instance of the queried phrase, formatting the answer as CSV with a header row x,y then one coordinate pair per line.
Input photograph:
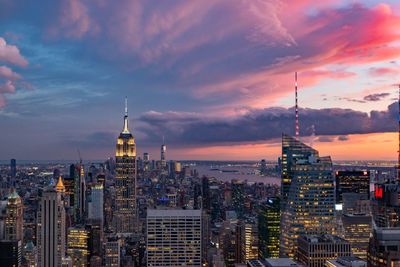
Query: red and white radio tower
x,y
297,110
398,152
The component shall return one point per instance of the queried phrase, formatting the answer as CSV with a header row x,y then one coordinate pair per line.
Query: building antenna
x,y
126,106
296,107
398,151
79,154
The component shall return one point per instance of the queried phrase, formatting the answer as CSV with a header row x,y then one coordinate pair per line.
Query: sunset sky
x,y
215,77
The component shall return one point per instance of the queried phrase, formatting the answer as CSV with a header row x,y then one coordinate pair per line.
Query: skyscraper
x,y
384,248
249,240
51,228
79,193
163,154
30,254
10,253
269,216
238,196
174,238
96,203
146,161
14,217
125,181
308,194
352,182
13,168
357,229
78,246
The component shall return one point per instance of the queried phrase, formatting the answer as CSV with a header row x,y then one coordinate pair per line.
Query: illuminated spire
x,y
126,129
60,185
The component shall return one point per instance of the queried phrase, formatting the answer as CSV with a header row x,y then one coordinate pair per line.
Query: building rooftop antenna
x,y
296,107
398,151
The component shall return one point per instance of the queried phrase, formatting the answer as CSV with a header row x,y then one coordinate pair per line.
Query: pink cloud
x,y
11,54
216,47
9,74
8,87
73,20
351,36
383,71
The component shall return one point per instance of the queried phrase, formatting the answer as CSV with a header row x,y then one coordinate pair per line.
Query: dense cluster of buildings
x,y
132,211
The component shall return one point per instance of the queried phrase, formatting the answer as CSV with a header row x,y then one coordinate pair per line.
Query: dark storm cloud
x,y
326,139
343,138
262,125
376,97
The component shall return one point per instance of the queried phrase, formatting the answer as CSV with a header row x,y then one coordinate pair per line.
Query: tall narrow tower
x,y
124,220
296,107
398,152
163,156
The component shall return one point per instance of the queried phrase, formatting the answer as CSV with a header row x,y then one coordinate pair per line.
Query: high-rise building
x,y
124,220
357,230
384,247
174,238
249,240
112,255
146,161
13,168
10,253
95,241
163,155
79,193
352,182
69,184
14,217
96,203
78,246
308,194
238,196
229,240
269,217
51,228
314,251
386,205
30,254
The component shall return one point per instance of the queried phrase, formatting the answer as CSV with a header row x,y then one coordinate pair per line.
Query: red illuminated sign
x,y
378,192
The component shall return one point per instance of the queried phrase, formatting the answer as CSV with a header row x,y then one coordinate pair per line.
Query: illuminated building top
x,y
60,185
14,198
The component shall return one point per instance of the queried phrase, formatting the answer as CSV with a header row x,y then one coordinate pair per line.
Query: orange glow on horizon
x,y
379,146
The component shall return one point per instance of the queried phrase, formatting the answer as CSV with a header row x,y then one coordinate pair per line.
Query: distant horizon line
x,y
7,161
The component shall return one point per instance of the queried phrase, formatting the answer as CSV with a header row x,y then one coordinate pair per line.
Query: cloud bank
x,y
260,125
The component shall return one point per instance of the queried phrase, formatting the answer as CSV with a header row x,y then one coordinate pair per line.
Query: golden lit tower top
x,y
126,142
60,185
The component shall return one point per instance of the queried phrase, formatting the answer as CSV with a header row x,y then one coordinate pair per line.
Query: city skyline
x,y
214,92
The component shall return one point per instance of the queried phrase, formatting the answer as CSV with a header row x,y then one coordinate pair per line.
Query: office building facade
x,y
174,238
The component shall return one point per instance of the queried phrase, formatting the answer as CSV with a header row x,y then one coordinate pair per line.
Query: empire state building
x,y
124,220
